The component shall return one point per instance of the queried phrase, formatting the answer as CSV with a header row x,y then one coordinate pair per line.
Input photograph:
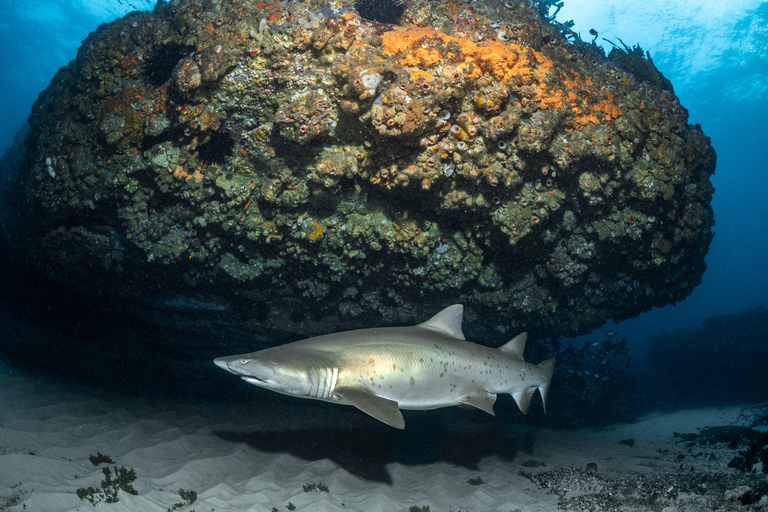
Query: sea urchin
x,y
218,148
381,11
158,69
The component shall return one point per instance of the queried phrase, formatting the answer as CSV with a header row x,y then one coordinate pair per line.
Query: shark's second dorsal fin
x,y
448,321
516,345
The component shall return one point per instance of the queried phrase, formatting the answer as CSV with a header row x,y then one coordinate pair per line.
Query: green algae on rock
x,y
360,174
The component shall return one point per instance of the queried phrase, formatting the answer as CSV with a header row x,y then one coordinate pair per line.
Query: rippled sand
x,y
255,456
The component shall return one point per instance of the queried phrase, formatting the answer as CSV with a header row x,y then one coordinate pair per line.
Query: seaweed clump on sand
x,y
100,458
121,479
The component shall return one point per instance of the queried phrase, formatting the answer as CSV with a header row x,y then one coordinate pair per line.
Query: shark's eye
x,y
245,361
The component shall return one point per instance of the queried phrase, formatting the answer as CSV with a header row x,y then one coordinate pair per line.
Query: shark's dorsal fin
x,y
380,408
483,401
448,321
515,346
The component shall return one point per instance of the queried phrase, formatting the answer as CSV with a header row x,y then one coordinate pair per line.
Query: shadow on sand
x,y
365,450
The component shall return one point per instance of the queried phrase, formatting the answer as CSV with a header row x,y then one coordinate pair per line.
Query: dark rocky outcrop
x,y
213,176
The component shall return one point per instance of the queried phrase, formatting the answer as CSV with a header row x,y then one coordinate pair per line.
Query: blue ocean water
x,y
716,55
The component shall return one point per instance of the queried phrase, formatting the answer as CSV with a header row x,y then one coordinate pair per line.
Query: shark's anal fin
x,y
523,398
382,409
482,401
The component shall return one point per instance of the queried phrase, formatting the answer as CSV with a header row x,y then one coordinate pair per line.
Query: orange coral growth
x,y
318,231
197,176
586,114
418,73
585,120
547,99
424,48
609,108
492,58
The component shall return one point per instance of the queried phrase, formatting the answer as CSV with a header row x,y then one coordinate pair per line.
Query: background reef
x,y
229,174
725,368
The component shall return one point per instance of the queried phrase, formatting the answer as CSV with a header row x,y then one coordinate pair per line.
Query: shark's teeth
x,y
252,380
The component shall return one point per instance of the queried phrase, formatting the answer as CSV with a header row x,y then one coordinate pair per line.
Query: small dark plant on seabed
x,y
321,487
189,498
100,458
119,479
11,500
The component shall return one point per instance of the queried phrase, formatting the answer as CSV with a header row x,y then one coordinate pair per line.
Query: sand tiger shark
x,y
383,370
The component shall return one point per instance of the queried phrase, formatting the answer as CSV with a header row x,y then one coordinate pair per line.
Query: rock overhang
x,y
335,174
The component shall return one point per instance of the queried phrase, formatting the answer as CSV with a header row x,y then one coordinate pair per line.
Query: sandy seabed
x,y
249,456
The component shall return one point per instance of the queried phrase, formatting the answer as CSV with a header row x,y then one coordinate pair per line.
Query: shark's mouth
x,y
253,380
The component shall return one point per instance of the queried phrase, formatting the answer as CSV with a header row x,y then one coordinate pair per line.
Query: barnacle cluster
x,y
362,173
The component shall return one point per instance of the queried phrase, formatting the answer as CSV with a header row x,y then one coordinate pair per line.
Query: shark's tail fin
x,y
540,381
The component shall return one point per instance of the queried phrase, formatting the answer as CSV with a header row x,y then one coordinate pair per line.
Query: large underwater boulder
x,y
262,171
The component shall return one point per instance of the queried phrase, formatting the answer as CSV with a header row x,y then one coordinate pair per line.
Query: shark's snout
x,y
221,362
235,365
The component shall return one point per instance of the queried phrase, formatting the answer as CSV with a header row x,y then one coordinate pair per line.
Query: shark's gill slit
x,y
322,380
334,378
313,382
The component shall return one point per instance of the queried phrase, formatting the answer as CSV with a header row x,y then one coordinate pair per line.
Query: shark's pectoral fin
x,y
483,401
382,409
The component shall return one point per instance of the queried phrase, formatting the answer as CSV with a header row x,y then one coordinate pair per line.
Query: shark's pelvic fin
x,y
382,409
516,346
448,321
484,402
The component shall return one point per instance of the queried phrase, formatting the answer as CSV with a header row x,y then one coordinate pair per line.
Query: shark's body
x,y
382,370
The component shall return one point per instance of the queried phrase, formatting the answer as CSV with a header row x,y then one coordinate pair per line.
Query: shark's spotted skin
x,y
383,370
